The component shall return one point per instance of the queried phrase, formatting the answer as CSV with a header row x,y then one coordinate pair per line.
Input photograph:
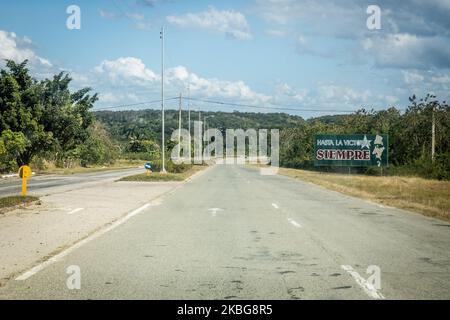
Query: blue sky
x,y
309,55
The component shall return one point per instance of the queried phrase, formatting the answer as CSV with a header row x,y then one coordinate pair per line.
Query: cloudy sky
x,y
293,54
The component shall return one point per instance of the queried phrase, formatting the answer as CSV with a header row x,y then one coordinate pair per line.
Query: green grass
x,y
12,201
117,165
156,176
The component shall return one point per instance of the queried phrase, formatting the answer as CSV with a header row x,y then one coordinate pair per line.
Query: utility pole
x,y
179,130
433,133
163,167
204,124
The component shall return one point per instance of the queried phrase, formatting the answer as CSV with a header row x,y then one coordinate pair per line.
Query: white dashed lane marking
x,y
294,223
75,210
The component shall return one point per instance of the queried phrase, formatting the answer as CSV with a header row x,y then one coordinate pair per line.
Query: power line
x,y
133,104
268,107
230,104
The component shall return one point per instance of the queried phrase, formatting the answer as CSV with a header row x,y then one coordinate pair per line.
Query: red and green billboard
x,y
356,150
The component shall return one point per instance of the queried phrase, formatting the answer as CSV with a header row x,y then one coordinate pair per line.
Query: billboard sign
x,y
355,150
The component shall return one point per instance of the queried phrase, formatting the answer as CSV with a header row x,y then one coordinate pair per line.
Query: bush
x,y
170,166
425,168
12,144
144,156
99,148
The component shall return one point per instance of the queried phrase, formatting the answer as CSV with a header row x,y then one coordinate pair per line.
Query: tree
x,y
11,145
50,117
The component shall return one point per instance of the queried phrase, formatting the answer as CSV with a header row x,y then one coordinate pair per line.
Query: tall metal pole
x,y
204,124
189,118
163,167
433,134
179,130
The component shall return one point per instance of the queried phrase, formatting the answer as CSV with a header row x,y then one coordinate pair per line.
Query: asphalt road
x,y
234,234
47,184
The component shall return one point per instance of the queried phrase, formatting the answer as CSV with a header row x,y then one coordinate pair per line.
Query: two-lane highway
x,y
234,234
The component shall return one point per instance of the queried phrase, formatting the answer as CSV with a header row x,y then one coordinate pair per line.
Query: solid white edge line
x,y
59,256
367,287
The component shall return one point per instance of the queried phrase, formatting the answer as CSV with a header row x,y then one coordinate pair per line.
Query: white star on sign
x,y
365,143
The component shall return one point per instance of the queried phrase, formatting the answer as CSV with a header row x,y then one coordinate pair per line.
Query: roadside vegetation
x,y
409,139
428,197
6,203
50,168
174,173
45,121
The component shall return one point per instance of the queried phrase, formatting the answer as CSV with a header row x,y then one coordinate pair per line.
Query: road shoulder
x,y
33,234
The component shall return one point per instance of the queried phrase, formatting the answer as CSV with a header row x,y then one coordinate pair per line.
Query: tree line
x,y
410,135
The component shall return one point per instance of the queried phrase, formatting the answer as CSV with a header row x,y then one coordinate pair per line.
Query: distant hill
x,y
146,124
338,119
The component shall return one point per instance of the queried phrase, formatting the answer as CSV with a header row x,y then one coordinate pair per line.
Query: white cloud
x,y
408,51
331,96
391,100
19,49
341,94
412,77
327,17
178,73
107,14
112,98
128,72
181,77
347,18
415,33
126,69
299,95
445,79
229,22
109,97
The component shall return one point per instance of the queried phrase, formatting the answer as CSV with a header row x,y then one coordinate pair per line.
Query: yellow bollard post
x,y
24,173
24,187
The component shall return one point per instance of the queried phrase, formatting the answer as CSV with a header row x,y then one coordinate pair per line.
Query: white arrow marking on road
x,y
368,288
294,223
75,210
275,206
214,211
